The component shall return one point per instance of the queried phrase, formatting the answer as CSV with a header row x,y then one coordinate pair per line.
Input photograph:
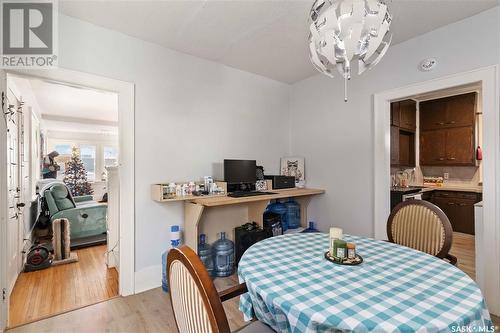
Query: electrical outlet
x,y
446,175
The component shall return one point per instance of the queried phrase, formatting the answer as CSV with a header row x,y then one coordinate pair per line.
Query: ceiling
x,y
62,102
69,108
263,37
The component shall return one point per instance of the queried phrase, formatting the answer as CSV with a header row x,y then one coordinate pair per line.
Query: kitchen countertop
x,y
458,188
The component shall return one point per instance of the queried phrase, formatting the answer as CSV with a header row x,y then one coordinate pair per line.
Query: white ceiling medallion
x,y
428,64
342,31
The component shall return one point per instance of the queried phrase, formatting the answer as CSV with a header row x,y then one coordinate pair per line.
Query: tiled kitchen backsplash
x,y
467,176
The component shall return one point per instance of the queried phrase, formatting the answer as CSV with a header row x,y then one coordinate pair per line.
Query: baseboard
x,y
148,278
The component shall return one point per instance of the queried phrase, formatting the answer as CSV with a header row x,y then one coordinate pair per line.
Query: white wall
x,y
336,137
190,115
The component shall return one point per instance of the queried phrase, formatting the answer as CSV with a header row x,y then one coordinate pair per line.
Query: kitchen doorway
x,y
487,265
436,155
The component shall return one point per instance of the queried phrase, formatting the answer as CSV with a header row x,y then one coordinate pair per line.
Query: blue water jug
x,y
175,241
224,256
292,214
279,208
311,228
205,252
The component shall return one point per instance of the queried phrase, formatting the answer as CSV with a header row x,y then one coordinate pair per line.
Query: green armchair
x,y
87,218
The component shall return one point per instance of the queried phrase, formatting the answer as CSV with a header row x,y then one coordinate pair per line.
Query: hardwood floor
x,y
149,311
464,249
61,288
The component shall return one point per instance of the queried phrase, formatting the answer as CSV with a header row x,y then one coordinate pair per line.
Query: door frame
x,y
489,79
126,120
3,208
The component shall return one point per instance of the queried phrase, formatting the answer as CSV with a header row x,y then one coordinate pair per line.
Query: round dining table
x,y
293,288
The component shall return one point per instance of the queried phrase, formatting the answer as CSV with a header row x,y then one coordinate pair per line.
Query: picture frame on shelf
x,y
295,167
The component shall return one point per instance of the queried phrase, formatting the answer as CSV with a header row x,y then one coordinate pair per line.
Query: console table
x,y
196,207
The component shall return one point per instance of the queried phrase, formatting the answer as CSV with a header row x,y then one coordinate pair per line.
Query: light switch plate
x,y
446,175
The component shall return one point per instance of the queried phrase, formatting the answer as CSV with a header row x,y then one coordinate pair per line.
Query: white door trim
x,y
3,207
489,78
126,114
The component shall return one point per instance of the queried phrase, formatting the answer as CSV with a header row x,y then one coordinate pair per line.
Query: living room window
x,y
88,157
95,156
110,156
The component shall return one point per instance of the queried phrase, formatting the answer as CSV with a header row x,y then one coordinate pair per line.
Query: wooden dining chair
x,y
196,304
422,226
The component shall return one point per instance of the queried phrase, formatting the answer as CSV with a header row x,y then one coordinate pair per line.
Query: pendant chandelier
x,y
342,31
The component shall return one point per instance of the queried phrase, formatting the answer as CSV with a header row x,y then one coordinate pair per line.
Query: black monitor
x,y
240,171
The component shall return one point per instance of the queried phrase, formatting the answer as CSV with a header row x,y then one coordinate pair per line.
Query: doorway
x,y
95,157
487,79
436,140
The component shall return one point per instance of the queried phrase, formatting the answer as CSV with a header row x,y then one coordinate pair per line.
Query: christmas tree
x,y
75,176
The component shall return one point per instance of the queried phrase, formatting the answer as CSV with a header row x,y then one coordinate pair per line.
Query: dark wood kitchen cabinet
x,y
403,114
453,111
403,126
459,146
394,145
458,207
451,146
433,148
406,148
408,114
395,114
447,131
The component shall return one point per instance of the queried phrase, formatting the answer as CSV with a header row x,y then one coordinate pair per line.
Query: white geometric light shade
x,y
345,31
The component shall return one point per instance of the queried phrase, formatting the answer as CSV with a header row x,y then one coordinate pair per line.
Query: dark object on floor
x,y
245,236
272,224
38,258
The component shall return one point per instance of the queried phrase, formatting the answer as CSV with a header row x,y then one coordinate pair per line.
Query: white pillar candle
x,y
335,233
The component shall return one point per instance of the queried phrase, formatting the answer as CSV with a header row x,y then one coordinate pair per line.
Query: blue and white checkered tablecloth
x,y
293,288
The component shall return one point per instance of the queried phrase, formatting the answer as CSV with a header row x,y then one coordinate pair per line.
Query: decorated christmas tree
x,y
75,176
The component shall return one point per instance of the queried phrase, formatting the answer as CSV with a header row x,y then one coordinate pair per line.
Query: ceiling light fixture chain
x,y
343,31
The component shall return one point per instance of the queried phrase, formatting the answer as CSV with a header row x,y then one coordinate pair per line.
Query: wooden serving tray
x,y
347,262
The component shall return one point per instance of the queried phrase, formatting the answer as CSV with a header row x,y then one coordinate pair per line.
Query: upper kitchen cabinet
x,y
432,148
460,146
454,111
395,114
450,146
408,114
403,126
403,114
447,131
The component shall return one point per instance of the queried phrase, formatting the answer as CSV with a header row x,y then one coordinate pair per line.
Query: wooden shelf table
x,y
196,207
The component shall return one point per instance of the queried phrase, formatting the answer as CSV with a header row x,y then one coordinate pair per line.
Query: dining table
x,y
292,287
